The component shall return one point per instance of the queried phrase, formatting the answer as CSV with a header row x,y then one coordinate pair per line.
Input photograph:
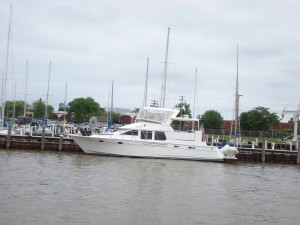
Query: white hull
x,y
105,145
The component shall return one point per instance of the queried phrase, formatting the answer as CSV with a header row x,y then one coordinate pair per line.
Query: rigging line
x,y
292,96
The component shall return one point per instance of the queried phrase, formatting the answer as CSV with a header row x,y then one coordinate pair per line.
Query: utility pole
x,y
154,104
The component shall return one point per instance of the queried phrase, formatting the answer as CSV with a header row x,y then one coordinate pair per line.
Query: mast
x,y
146,85
4,80
111,106
65,103
25,95
236,107
195,88
163,91
46,107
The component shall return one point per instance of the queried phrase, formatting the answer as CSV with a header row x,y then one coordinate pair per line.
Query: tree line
x,y
81,109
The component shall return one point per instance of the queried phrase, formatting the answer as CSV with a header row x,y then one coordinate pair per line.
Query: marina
x,y
280,155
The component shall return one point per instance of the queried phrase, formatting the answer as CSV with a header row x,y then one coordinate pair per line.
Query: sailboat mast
x,y
25,95
195,88
46,107
111,106
146,85
4,81
163,94
65,104
236,96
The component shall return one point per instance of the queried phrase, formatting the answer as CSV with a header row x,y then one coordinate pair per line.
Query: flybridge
x,y
156,115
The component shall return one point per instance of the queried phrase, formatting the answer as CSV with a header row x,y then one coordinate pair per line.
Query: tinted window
x,y
146,135
131,132
160,136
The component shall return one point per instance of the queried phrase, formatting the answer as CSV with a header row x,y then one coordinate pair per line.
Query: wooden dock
x,y
38,143
68,144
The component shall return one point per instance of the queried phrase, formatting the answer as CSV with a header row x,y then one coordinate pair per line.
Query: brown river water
x,y
49,188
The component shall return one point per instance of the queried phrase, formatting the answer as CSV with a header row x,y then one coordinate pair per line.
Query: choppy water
x,y
61,188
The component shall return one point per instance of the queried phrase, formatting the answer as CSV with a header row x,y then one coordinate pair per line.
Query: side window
x,y
131,132
160,136
146,134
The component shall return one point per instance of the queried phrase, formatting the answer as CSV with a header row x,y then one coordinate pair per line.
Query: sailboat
x,y
152,136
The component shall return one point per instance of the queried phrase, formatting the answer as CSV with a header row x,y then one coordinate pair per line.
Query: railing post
x,y
263,152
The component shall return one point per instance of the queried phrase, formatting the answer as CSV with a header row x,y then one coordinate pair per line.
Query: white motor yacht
x,y
152,136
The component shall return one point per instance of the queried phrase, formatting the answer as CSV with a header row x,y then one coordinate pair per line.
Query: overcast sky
x,y
91,43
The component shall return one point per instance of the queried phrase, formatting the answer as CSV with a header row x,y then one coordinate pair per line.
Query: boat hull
x,y
106,145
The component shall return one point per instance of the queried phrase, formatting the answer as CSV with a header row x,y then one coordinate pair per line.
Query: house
x,y
128,118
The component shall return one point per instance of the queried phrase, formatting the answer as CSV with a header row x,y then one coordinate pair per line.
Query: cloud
x,y
91,43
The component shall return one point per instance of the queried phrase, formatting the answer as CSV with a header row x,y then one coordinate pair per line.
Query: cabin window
x,y
131,132
160,136
146,134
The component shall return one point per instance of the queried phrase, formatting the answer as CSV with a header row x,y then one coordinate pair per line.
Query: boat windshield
x,y
154,115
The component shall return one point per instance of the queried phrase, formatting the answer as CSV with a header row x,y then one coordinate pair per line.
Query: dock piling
x,y
43,138
60,144
263,152
8,137
298,154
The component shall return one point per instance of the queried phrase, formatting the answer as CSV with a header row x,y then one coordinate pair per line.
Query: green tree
x,y
116,117
38,109
17,106
211,119
135,110
258,119
184,109
84,108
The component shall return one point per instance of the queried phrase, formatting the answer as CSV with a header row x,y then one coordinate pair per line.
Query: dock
x,y
246,154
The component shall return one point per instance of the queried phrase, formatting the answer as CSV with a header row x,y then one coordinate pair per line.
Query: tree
x,y
17,106
135,110
258,119
38,109
184,109
84,108
211,119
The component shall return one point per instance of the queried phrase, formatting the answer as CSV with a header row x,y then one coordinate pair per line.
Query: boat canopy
x,y
156,115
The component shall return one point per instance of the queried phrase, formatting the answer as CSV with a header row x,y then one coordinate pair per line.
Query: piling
x,y
298,153
43,138
8,137
60,143
263,152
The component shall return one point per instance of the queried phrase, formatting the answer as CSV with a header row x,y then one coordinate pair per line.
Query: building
x,y
128,118
281,126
